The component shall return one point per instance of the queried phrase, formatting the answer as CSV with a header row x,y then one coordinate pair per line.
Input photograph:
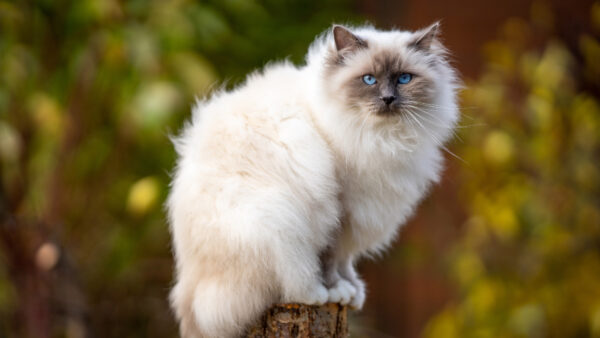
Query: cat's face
x,y
387,76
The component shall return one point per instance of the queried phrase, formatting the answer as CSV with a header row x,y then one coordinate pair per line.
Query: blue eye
x,y
404,78
369,79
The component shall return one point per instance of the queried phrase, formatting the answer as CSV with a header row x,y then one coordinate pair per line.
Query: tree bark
x,y
301,321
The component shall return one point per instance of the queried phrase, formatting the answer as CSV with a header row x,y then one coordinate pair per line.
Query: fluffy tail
x,y
219,308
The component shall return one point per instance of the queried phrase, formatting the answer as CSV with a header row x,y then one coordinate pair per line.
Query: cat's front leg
x,y
341,290
348,273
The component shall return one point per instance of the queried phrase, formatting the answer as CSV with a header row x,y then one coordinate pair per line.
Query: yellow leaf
x,y
10,143
505,223
143,196
46,113
498,147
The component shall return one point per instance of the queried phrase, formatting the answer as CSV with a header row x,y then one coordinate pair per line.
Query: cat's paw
x,y
342,292
358,300
318,295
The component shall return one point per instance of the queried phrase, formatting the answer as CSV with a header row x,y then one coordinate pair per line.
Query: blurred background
x,y
508,245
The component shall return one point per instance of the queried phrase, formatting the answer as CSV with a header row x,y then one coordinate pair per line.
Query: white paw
x,y
358,300
342,292
317,296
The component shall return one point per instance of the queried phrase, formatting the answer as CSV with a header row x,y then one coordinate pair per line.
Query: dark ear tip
x,y
337,28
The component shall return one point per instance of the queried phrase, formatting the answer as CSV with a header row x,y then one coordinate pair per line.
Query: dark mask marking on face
x,y
386,97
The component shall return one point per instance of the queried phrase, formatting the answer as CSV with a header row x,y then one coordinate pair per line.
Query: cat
x,y
285,181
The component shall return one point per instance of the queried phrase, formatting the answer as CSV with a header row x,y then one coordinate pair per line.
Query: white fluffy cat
x,y
285,181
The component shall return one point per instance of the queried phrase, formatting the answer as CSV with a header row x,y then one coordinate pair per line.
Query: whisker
x,y
458,126
443,107
460,108
435,139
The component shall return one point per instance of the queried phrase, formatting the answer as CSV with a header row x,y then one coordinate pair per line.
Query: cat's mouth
x,y
389,110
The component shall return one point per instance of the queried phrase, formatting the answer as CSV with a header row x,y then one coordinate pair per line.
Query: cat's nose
x,y
388,99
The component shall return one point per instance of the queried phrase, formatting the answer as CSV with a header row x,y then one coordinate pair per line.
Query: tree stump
x,y
302,321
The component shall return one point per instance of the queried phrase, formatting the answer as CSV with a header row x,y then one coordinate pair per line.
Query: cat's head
x,y
389,76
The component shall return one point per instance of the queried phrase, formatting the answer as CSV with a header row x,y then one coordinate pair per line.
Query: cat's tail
x,y
219,307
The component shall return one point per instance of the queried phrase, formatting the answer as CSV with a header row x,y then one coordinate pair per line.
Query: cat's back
x,y
264,97
251,121
258,137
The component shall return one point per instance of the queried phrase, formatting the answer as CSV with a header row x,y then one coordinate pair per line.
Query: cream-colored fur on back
x,y
280,186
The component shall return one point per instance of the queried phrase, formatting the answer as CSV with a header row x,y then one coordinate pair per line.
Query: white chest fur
x,y
379,195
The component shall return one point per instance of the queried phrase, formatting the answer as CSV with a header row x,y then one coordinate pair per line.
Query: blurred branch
x,y
18,243
76,107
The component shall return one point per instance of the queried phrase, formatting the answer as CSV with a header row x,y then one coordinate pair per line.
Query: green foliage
x,y
528,263
89,92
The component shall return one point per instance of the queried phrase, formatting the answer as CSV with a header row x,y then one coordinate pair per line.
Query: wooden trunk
x,y
302,321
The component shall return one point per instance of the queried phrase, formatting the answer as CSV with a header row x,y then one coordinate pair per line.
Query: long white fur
x,y
278,171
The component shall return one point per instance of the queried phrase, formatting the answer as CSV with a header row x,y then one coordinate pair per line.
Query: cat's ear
x,y
345,40
424,38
